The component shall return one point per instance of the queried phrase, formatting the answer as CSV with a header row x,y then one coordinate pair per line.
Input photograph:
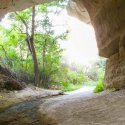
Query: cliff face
x,y
108,20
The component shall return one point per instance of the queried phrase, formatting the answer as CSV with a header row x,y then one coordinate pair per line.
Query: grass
x,y
99,88
71,87
90,84
100,84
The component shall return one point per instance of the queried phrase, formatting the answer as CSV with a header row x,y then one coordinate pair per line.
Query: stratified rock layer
x,y
115,70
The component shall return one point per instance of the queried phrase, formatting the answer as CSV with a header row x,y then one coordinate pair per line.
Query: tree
x,y
42,43
30,43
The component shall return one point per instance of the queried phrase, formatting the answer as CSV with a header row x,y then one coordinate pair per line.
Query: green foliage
x,y
68,80
93,70
90,83
100,84
14,50
15,55
76,77
70,87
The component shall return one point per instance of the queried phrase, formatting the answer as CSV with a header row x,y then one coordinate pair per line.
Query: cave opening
x,y
46,47
50,71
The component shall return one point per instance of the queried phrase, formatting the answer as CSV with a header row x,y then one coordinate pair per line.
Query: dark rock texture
x,y
8,81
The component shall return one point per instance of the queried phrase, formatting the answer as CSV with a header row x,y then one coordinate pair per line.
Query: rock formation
x,y
14,5
8,81
108,20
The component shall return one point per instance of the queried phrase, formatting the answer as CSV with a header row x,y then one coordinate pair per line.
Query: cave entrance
x,y
44,46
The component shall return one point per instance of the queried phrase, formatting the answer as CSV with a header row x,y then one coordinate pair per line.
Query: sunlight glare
x,y
81,47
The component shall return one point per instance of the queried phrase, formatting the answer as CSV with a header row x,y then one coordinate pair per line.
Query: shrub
x,y
68,80
92,70
100,84
70,87
76,77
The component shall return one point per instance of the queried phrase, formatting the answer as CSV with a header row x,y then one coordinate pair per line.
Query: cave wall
x,y
17,5
115,68
108,20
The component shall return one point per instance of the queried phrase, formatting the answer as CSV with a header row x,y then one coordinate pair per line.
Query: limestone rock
x,y
17,5
21,108
103,109
115,70
107,18
79,11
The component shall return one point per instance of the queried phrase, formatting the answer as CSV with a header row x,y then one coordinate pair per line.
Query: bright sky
x,y
81,46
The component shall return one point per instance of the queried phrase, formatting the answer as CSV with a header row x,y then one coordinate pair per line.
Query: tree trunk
x,y
33,52
30,44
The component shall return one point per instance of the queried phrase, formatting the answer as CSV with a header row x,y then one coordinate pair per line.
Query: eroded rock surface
x,y
103,109
107,17
108,20
115,70
17,5
79,109
21,107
